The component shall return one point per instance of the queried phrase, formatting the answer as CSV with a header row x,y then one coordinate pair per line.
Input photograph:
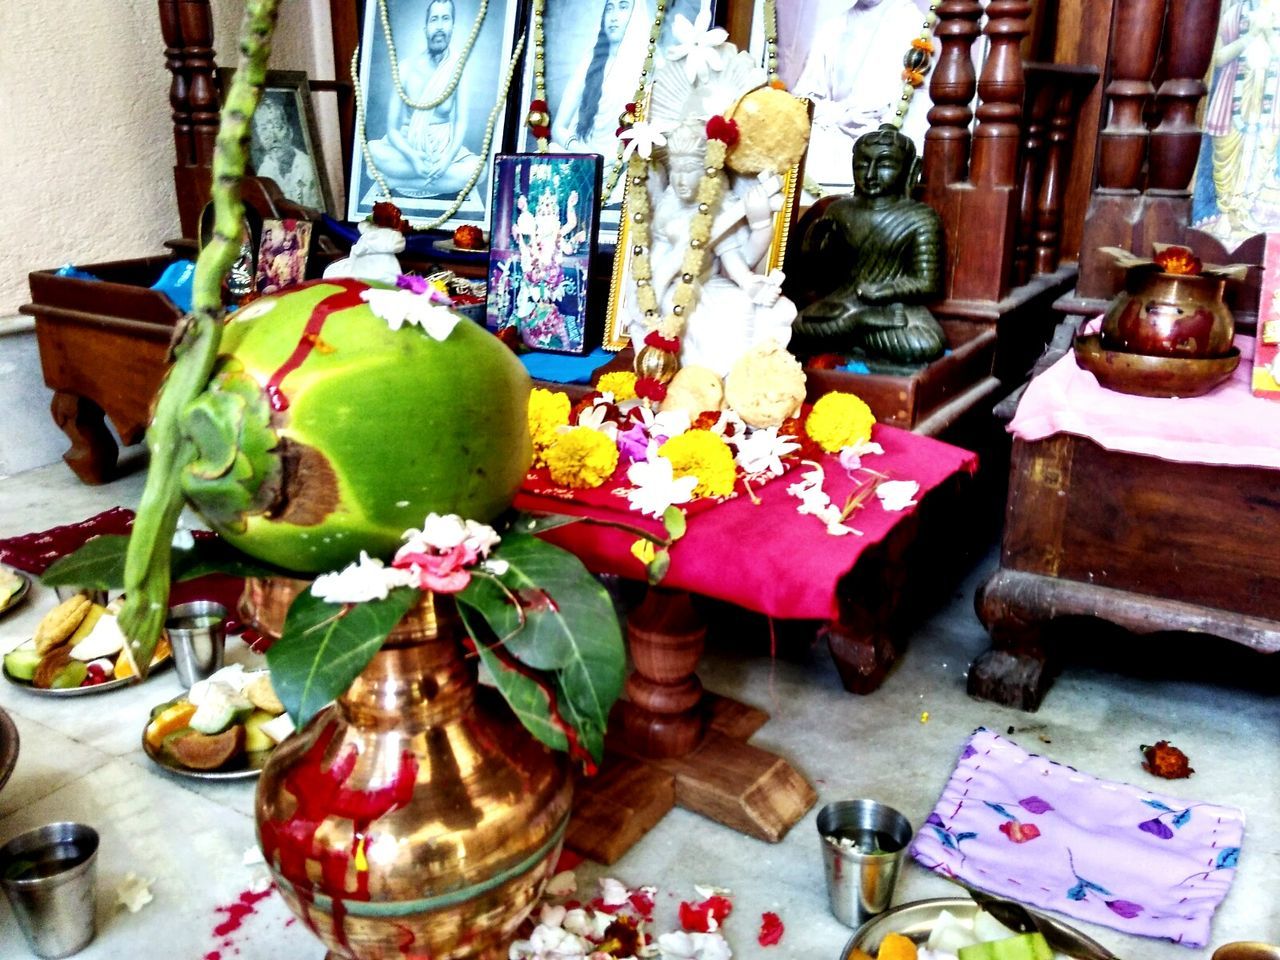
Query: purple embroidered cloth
x,y
1039,832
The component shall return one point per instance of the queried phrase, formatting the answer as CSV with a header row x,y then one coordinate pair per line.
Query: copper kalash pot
x,y
1171,315
415,817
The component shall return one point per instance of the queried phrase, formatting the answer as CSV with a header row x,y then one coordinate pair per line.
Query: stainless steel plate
x,y
18,595
248,769
82,691
916,920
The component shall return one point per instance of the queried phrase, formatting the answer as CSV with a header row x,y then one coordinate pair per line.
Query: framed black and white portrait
x,y
846,56
284,144
432,112
595,53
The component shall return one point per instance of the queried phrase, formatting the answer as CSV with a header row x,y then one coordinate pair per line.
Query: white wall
x,y
86,154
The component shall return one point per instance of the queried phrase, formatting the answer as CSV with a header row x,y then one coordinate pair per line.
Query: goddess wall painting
x,y
545,217
1237,184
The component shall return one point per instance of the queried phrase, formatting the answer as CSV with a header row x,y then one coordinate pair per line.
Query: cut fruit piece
x,y
21,663
254,738
96,610
103,639
73,674
174,717
48,668
221,707
261,694
280,728
895,946
201,752
61,622
1024,946
124,666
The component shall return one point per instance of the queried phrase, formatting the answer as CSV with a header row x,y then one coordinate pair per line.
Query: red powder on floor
x,y
245,906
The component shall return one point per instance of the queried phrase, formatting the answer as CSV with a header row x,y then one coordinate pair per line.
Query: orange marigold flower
x,y
1166,760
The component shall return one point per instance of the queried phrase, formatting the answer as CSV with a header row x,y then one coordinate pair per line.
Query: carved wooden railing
x,y
187,26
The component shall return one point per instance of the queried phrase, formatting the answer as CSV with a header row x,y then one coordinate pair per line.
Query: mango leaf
x,y
325,646
528,699
97,565
541,522
676,522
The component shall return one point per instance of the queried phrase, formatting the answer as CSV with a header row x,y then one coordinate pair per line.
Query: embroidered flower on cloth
x,y
897,495
642,136
655,487
697,44
399,307
366,579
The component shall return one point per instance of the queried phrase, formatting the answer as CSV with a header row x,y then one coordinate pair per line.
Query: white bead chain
x,y
457,73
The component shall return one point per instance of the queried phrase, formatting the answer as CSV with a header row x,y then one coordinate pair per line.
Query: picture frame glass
x,y
426,136
541,250
595,52
282,254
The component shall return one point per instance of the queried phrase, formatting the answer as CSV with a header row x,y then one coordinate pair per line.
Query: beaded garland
x,y
454,80
538,119
916,65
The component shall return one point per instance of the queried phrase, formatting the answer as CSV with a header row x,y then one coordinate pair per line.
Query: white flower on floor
x,y
693,946
697,44
366,579
642,136
550,943
761,451
399,307
655,487
897,495
587,924
613,893
563,883
134,893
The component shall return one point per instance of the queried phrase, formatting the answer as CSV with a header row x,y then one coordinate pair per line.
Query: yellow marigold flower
x,y
702,454
839,420
621,383
581,458
548,411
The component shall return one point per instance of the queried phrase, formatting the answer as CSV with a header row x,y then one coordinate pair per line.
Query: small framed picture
x,y
282,254
1266,357
622,308
595,53
432,109
542,247
847,59
284,145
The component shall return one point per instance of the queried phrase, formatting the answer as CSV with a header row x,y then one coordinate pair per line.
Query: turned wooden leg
x,y
663,716
1017,670
93,450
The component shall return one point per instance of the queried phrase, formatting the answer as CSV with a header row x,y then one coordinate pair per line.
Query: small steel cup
x,y
49,875
198,634
862,846
95,596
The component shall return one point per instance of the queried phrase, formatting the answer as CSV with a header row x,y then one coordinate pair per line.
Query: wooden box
x,y
104,348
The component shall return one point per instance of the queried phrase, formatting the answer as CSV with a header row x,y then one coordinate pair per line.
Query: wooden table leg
x,y
1017,670
93,452
671,744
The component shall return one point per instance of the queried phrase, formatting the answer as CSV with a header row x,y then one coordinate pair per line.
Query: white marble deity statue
x,y
739,303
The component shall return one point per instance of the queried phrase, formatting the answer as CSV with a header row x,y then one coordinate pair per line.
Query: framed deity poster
x,y
431,103
282,254
541,247
593,64
846,56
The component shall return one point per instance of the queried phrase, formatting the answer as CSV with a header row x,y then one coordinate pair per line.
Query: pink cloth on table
x,y
1227,426
764,557
1042,833
35,552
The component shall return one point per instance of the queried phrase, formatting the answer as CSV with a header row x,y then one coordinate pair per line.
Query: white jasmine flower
x,y
366,579
134,893
815,502
897,495
698,44
613,893
588,924
761,451
851,457
693,946
446,532
727,419
595,419
668,423
550,943
655,487
642,136
399,307
552,916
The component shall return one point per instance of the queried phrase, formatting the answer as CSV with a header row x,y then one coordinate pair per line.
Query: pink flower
x,y
443,572
1019,832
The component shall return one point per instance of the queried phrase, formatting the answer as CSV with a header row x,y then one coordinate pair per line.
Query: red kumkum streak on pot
x,y
348,297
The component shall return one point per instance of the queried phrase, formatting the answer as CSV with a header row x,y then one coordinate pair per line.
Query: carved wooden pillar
x,y
1042,95
187,26
981,251
174,62
1074,85
202,94
952,89
1135,41
1190,31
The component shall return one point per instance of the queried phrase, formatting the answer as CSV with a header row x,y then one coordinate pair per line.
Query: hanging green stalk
x,y
147,564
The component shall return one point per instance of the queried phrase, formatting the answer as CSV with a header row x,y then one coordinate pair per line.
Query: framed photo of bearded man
x,y
846,56
432,107
592,66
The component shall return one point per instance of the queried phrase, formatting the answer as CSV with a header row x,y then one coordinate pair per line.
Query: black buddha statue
x,y
871,260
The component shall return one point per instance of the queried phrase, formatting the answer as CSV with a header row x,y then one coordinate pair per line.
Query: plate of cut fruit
x,y
13,587
223,728
78,648
951,928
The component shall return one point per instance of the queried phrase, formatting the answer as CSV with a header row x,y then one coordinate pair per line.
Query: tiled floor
x,y
80,759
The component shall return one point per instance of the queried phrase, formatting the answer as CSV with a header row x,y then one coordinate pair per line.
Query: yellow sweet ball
x,y
581,458
839,420
773,132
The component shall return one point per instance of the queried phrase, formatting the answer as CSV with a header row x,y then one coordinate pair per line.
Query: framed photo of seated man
x,y
431,107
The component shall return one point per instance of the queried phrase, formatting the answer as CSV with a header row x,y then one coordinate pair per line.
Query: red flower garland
x,y
647,388
666,344
723,129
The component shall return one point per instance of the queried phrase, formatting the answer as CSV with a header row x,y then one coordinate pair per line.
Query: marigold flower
x,y
702,454
581,458
839,420
621,383
548,412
